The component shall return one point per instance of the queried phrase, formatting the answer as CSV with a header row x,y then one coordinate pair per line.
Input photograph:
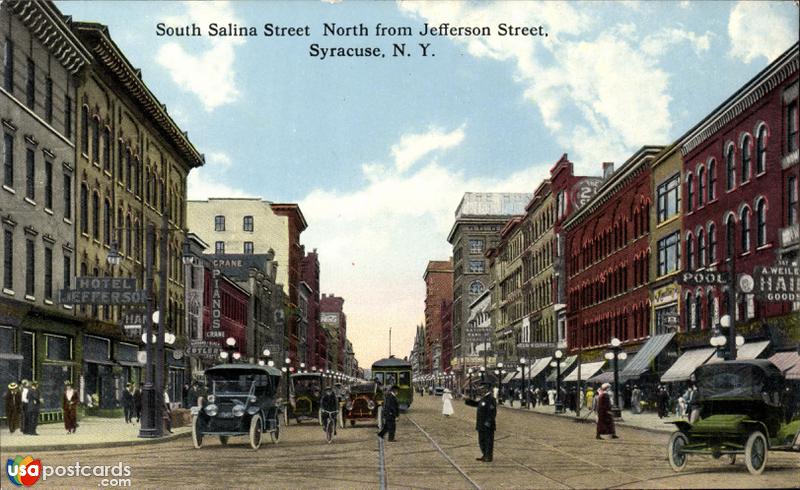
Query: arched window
x,y
128,236
129,175
712,243
107,222
730,163
712,180
84,209
709,310
744,218
697,318
476,287
106,150
689,252
121,161
730,236
761,217
701,249
746,157
689,192
761,149
701,186
95,140
137,242
96,216
85,130
689,309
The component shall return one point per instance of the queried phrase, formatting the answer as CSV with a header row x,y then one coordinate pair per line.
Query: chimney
x,y
608,169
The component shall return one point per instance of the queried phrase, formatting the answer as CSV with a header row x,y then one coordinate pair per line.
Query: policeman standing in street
x,y
485,421
391,409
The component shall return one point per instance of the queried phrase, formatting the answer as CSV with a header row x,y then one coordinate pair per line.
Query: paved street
x,y
531,451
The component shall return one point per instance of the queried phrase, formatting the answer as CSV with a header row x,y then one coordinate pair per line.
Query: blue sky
x,y
379,151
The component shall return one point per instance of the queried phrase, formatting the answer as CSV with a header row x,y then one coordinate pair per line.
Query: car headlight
x,y
252,399
371,404
211,398
238,410
252,410
211,410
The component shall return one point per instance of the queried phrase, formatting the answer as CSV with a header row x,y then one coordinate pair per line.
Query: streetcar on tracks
x,y
242,401
392,371
305,392
363,404
741,413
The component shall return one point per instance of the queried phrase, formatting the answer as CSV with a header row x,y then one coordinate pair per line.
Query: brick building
x,y
438,279
315,337
334,320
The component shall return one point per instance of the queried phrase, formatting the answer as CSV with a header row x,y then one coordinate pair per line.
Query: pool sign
x,y
706,278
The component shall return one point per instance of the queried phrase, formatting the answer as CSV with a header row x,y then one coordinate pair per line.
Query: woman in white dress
x,y
447,403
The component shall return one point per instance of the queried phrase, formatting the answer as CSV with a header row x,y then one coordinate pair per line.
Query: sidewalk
x,y
644,421
93,432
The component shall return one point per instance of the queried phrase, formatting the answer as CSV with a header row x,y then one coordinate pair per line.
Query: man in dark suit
x,y
391,409
485,421
33,408
127,402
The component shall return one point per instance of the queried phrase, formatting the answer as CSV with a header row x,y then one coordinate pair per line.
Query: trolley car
x,y
392,371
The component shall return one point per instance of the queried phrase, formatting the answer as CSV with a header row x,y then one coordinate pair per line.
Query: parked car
x,y
241,401
364,403
740,414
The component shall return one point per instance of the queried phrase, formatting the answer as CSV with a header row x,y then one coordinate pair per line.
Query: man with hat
x,y
485,421
13,407
127,403
391,410
32,410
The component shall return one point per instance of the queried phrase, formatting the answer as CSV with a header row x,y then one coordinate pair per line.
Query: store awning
x,y
785,361
747,351
686,364
641,361
566,364
534,369
793,373
606,377
130,363
588,369
509,377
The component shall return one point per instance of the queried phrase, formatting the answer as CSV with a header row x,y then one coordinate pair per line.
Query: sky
x,y
379,150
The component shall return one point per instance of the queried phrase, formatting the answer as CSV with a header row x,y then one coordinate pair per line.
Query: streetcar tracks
x,y
445,455
381,464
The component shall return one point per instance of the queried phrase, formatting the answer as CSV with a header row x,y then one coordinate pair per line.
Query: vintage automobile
x,y
306,389
241,401
740,413
364,403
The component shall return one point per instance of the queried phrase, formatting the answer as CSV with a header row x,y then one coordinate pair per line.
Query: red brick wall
x,y
438,287
234,311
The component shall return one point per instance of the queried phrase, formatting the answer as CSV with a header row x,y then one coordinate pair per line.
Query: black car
x,y
241,401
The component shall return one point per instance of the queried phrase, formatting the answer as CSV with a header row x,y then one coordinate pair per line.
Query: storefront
x,y
57,367
176,373
99,386
126,356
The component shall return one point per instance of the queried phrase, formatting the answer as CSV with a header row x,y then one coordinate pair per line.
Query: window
x,y
48,184
68,196
561,204
8,160
68,117
761,217
95,140
791,127
30,85
712,243
730,234
712,180
476,266
96,216
8,66
669,254
8,259
85,130
30,267
689,309
689,192
476,287
67,272
107,217
701,249
746,158
744,218
219,223
730,163
106,150
689,253
709,310
701,186
475,246
247,223
791,192
129,175
84,209
48,273
668,200
30,174
698,315
248,248
48,100
219,247
761,149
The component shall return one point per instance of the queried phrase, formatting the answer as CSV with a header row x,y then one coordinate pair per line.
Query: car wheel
x,y
255,432
197,434
223,440
275,435
677,459
379,417
755,453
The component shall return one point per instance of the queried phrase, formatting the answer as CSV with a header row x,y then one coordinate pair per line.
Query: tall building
x,y
334,320
478,220
42,60
417,357
315,337
252,226
438,279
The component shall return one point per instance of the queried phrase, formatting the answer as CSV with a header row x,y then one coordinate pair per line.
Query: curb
x,y
93,445
567,417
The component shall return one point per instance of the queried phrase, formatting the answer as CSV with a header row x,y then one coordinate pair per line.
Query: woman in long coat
x,y
69,404
447,403
605,420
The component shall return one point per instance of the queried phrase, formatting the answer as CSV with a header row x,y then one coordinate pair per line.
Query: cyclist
x,y
329,405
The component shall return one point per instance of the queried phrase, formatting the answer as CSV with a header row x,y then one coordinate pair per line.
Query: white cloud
x,y
375,241
204,182
658,43
760,29
414,146
210,73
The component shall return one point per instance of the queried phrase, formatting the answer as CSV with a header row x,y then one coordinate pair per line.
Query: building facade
x,y
334,320
438,279
315,338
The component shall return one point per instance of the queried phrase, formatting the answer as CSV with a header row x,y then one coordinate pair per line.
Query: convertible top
x,y
243,368
738,379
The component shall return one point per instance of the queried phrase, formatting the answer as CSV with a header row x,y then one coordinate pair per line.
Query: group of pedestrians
x,y
132,403
23,404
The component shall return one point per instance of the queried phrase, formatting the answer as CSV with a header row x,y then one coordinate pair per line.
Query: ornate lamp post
x,y
230,347
522,363
616,354
557,364
469,378
720,340
287,363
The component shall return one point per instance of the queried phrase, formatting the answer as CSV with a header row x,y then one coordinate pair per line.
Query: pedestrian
x,y
25,388
69,406
636,399
391,410
485,421
551,396
663,401
127,402
192,395
13,407
590,398
137,402
605,420
167,416
447,403
34,406
693,404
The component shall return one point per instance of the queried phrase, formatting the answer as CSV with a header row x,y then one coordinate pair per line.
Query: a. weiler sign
x,y
778,282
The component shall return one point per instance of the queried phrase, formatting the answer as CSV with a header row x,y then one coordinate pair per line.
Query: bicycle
x,y
330,423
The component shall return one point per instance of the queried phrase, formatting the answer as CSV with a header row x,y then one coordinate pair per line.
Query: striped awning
x,y
606,377
509,377
641,361
793,373
785,361
686,364
588,369
534,369
566,364
750,350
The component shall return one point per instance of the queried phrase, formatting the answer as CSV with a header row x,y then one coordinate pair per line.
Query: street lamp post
x,y
286,364
469,378
719,340
522,363
483,373
557,364
616,355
